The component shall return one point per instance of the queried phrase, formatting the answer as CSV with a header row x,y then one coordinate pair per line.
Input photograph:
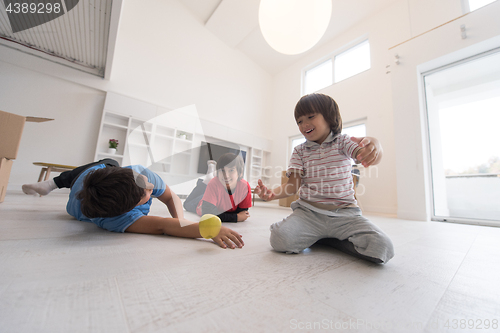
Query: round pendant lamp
x,y
294,26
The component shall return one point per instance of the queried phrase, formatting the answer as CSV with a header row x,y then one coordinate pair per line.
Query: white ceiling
x,y
79,39
70,41
236,23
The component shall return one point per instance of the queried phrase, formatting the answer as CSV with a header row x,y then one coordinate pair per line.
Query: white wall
x,y
171,59
163,56
429,51
69,139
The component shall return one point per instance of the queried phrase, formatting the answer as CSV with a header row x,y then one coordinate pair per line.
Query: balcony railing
x,y
474,196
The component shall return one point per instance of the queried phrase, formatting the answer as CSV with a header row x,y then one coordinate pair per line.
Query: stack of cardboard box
x,y
11,130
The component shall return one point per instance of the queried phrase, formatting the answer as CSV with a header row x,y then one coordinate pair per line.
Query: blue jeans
x,y
195,196
67,178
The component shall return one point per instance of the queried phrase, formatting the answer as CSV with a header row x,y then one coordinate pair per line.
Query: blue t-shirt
x,y
121,222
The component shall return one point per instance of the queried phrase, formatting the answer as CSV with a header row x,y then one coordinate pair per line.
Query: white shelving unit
x,y
150,133
258,167
113,126
163,149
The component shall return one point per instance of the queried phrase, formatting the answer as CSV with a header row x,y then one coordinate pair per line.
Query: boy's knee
x,y
389,249
383,246
282,240
376,245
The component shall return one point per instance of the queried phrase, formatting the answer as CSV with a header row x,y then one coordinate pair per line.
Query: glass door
x,y
463,123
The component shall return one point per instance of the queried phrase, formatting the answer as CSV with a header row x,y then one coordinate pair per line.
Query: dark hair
x,y
109,192
231,160
320,103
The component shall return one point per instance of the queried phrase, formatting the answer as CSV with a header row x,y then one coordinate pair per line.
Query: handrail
x,y
475,175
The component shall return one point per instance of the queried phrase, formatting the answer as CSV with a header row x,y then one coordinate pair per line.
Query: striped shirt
x,y
325,170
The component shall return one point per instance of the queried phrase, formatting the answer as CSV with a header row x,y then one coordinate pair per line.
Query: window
x,y
475,4
337,67
462,103
358,130
318,77
353,61
293,142
296,141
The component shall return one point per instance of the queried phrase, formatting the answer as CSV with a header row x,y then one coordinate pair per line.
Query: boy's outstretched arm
x,y
371,150
288,189
157,225
173,203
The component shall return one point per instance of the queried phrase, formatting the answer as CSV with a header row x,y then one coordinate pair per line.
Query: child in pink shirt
x,y
228,195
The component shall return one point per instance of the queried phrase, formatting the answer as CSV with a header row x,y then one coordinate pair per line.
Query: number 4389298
x,y
476,324
33,8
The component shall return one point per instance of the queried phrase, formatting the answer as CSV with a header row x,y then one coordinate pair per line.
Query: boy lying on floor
x,y
119,199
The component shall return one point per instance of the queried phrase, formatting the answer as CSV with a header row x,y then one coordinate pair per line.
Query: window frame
x,y
349,49
329,59
466,6
428,148
356,122
290,143
331,56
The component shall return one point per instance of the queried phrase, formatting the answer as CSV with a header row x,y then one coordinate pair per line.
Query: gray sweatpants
x,y
345,229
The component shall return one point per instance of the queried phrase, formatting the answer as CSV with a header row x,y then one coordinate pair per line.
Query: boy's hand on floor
x,y
242,216
228,237
263,192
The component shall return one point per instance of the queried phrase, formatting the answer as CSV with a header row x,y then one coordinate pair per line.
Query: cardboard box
x,y
286,202
5,167
11,130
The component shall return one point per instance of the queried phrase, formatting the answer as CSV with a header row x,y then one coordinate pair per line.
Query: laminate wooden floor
x,y
61,275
